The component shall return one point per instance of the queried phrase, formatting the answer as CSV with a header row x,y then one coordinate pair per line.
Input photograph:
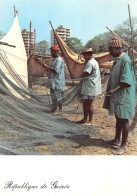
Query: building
x,y
62,31
28,40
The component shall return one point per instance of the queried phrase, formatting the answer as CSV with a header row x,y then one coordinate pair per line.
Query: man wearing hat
x,y
91,85
120,94
56,79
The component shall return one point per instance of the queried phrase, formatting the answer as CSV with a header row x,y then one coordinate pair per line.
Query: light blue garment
x,y
85,97
56,97
91,85
56,80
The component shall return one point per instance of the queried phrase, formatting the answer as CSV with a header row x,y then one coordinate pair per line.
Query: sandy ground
x,y
93,142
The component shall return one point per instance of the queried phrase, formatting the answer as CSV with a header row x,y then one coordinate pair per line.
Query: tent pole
x,y
29,63
132,38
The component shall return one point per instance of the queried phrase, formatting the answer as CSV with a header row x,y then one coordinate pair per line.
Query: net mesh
x,y
26,117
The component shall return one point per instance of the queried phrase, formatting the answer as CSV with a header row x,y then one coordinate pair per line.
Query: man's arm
x,y
85,74
57,66
104,73
48,68
121,85
87,70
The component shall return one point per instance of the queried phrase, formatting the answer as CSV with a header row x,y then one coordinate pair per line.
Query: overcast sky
x,y
85,18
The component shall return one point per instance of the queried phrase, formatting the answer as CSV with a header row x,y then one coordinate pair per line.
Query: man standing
x,y
91,85
56,79
120,94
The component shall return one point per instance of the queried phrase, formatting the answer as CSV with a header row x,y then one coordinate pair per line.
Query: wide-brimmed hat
x,y
115,43
87,50
54,48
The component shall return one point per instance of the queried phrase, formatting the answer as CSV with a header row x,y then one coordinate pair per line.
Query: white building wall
x,y
26,39
63,33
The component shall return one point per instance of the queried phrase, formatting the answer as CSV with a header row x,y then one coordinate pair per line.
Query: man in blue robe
x,y
56,79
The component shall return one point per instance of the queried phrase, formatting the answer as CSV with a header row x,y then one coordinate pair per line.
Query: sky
x,y
84,18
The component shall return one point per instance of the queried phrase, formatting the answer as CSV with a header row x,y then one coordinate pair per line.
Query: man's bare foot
x,y
58,112
82,121
120,150
89,123
115,142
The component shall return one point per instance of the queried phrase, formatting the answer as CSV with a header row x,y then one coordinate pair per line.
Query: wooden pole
x,y
14,11
30,40
133,124
126,44
132,38
30,65
34,39
6,44
118,37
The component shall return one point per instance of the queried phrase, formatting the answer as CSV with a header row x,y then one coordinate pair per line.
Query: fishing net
x,y
26,117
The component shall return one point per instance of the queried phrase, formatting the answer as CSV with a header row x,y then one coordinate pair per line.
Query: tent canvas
x,y
15,56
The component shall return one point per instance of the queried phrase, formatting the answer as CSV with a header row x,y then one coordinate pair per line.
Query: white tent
x,y
16,56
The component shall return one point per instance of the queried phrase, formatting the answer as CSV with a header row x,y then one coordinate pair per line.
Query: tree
x,y
100,42
124,31
74,44
41,47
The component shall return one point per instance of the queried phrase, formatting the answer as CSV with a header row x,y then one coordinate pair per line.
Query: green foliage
x,y
100,42
74,44
124,31
41,47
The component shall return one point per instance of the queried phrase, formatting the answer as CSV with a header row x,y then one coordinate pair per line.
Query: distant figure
x,y
91,85
56,80
120,94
